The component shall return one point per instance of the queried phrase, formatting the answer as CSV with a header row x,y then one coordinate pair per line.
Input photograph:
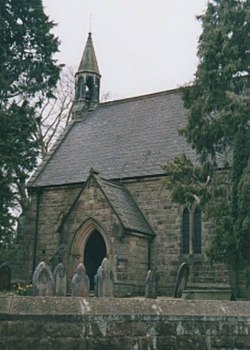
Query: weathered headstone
x,y
80,282
5,277
107,279
60,280
99,282
181,280
95,286
43,281
151,284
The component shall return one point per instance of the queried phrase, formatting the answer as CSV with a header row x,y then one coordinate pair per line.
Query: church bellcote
x,y
87,81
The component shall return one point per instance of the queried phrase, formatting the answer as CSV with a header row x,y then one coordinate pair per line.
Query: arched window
x,y
89,89
80,91
191,231
197,231
185,231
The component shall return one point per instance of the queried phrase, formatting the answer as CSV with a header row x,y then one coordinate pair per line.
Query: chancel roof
x,y
127,138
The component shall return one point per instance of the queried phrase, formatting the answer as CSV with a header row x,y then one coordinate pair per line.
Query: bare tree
x,y
106,96
55,113
52,115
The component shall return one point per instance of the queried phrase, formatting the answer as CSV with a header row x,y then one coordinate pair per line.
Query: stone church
x,y
100,192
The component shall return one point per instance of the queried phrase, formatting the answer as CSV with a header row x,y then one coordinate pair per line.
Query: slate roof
x,y
124,206
127,138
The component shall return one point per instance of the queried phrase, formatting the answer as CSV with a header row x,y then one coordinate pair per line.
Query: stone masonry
x,y
53,323
90,211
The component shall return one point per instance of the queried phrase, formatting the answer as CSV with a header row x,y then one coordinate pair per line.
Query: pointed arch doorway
x,y
94,252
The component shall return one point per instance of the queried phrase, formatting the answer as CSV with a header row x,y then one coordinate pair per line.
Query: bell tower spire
x,y
87,81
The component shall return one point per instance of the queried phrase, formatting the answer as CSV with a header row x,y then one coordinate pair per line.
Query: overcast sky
x,y
142,46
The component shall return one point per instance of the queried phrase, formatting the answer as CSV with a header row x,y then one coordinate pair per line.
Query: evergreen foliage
x,y
218,129
27,74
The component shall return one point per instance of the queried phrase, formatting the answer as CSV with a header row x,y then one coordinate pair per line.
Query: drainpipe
x,y
39,192
149,253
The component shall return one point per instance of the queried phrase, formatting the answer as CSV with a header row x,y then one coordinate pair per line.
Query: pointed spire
x,y
87,82
89,62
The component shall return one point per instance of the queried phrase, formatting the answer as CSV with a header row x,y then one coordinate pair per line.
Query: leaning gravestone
x,y
60,280
80,282
181,280
151,284
43,281
107,279
5,277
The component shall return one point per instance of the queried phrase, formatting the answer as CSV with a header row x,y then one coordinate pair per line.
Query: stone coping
x,y
120,308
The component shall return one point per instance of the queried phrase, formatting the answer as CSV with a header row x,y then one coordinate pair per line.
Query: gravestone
x,y
60,280
43,281
107,285
151,284
95,286
5,276
99,282
181,280
80,282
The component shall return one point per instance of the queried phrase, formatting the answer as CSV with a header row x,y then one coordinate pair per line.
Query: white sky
x,y
142,46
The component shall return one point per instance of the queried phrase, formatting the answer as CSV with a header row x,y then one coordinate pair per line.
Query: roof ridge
x,y
140,97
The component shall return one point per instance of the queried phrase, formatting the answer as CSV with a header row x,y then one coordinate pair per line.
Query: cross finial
x,y
90,23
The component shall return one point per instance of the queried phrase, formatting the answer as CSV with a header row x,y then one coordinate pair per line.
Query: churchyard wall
x,y
67,323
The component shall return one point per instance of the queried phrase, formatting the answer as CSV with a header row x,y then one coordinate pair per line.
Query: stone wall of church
x,y
129,253
166,219
39,238
54,204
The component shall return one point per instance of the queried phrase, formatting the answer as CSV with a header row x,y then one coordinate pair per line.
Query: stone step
x,y
207,294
